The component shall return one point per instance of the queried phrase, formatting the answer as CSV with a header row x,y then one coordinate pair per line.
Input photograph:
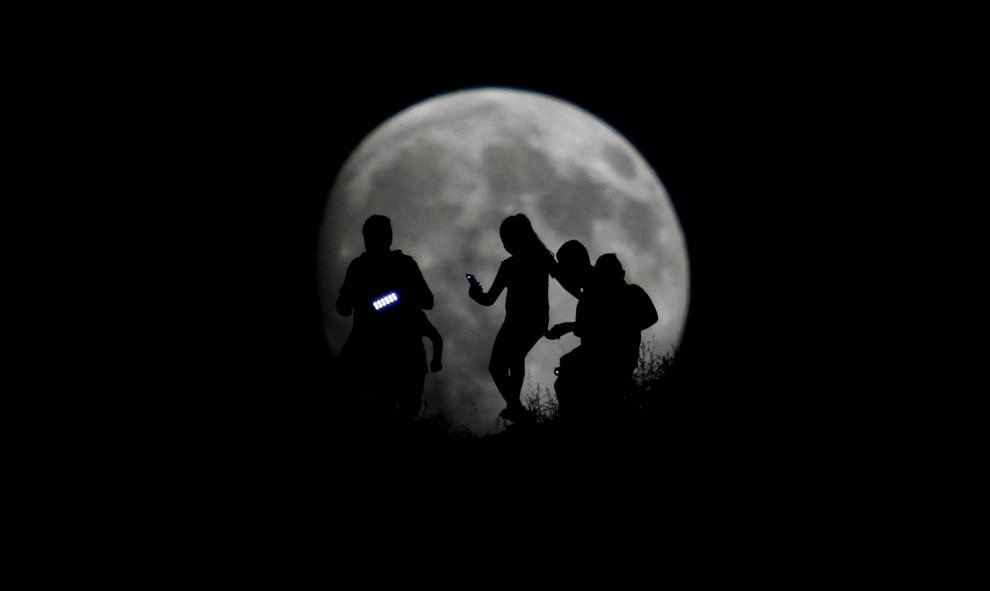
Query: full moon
x,y
447,171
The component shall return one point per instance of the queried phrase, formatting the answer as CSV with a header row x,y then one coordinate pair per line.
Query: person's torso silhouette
x,y
612,314
526,281
394,282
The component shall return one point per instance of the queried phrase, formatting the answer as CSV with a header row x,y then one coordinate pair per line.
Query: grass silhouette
x,y
649,387
433,446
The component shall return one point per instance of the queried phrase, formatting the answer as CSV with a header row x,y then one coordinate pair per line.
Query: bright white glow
x,y
385,301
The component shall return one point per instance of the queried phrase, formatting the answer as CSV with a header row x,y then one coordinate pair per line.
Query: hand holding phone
x,y
475,289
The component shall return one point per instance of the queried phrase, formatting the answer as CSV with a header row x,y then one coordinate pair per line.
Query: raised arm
x,y
487,299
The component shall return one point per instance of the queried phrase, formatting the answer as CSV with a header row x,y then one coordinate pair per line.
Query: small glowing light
x,y
385,301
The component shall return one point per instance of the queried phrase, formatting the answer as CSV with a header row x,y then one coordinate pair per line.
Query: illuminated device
x,y
385,301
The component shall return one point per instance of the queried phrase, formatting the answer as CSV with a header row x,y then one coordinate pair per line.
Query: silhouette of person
x,y
525,277
610,317
383,359
573,273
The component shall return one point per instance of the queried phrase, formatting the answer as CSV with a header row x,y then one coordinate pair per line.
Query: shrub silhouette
x,y
542,403
647,390
650,391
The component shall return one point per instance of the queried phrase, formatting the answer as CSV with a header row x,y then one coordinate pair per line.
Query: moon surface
x,y
447,171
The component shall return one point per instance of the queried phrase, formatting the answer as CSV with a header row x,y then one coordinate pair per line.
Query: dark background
x,y
215,406
219,138
728,135
259,139
240,144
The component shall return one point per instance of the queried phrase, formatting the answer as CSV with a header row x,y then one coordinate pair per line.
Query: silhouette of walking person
x,y
384,359
525,277
610,317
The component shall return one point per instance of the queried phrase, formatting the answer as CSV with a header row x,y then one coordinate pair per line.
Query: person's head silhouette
x,y
574,262
608,270
518,236
377,234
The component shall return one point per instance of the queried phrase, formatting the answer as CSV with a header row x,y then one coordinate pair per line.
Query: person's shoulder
x,y
401,258
550,261
639,299
358,261
403,262
544,258
636,292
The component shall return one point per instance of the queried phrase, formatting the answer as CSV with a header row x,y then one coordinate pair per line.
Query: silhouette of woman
x,y
525,276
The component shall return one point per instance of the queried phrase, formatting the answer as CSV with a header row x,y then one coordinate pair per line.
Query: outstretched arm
x,y
559,330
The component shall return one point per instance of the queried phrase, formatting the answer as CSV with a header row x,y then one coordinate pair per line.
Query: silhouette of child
x,y
525,276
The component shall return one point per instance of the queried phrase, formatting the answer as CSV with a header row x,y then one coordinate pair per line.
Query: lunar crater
x,y
620,161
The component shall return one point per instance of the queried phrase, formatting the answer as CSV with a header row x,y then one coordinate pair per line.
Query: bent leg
x,y
508,363
500,361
